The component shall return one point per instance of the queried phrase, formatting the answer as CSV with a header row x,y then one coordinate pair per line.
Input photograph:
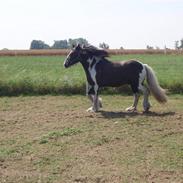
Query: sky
x,y
119,23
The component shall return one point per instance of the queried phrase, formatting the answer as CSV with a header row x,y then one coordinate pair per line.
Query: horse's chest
x,y
92,73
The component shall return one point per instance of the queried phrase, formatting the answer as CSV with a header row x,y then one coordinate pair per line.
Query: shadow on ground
x,y
116,114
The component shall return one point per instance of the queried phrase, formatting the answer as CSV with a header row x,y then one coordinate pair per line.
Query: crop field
x,y
63,52
46,135
52,139
46,74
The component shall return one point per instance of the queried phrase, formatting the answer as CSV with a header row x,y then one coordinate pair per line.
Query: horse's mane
x,y
93,51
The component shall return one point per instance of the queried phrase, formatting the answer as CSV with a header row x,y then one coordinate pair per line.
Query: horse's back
x,y
130,66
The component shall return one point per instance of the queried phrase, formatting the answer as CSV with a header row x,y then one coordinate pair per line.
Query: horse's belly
x,y
113,82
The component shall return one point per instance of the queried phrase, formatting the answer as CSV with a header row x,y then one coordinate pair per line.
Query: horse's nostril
x,y
65,65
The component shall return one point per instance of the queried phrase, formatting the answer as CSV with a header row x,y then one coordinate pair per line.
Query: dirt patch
x,y
53,139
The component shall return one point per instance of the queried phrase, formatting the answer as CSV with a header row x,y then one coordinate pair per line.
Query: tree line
x,y
58,44
63,44
66,44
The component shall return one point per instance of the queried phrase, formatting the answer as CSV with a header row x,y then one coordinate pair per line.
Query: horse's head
x,y
73,57
81,54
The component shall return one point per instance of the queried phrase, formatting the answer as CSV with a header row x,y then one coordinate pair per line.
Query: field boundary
x,y
61,52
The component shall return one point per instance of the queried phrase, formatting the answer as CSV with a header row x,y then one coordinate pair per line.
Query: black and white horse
x,y
100,72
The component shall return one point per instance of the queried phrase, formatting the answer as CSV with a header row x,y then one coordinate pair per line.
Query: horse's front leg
x,y
95,106
91,98
92,93
96,101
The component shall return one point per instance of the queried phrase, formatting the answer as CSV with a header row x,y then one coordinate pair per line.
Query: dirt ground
x,y
47,139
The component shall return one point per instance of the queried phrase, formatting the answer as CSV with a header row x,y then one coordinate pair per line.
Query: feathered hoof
x,y
131,109
147,107
91,109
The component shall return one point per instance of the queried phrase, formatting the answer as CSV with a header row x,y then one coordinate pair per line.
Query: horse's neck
x,y
85,64
89,62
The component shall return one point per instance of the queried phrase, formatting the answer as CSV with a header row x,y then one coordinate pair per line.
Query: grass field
x,y
46,75
52,139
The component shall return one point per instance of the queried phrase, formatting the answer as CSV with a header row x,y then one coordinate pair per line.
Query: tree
x,y
176,45
149,47
104,45
76,41
181,44
38,44
62,44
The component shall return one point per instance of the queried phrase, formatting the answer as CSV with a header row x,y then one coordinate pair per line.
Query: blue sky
x,y
131,24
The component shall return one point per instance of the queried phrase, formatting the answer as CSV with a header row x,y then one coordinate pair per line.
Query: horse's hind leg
x,y
146,103
134,87
133,108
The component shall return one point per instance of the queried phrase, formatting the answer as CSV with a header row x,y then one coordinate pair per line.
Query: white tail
x,y
156,90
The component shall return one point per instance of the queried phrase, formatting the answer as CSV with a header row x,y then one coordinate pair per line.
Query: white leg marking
x,y
144,90
133,108
142,76
92,71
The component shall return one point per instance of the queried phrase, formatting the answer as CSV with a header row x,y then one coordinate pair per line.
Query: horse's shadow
x,y
119,114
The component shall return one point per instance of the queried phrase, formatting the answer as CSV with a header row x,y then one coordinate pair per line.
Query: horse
x,y
101,72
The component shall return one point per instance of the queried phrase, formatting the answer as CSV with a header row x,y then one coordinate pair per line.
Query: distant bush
x,y
38,44
62,44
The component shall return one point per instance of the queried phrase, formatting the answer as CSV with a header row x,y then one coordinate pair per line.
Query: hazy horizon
x,y
130,24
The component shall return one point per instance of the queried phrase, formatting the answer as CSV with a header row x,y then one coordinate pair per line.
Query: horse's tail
x,y
155,88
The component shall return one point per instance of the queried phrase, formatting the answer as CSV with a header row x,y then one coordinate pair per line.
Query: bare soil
x,y
53,139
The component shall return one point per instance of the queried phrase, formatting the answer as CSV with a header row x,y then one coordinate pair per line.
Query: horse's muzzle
x,y
66,65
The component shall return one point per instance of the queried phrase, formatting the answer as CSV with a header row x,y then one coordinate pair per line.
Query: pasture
x,y
53,139
46,75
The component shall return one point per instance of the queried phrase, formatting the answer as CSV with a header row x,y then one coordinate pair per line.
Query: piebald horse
x,y
100,72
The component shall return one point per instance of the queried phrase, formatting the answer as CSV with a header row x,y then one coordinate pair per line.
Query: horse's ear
x,y
78,47
83,46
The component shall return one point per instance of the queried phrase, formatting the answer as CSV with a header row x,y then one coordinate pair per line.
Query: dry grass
x,y
53,139
42,52
61,52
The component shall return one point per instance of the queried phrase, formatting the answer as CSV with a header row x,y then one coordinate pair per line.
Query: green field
x,y
46,75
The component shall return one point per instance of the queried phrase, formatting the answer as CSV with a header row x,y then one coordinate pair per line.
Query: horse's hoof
x,y
145,112
147,107
131,109
91,110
